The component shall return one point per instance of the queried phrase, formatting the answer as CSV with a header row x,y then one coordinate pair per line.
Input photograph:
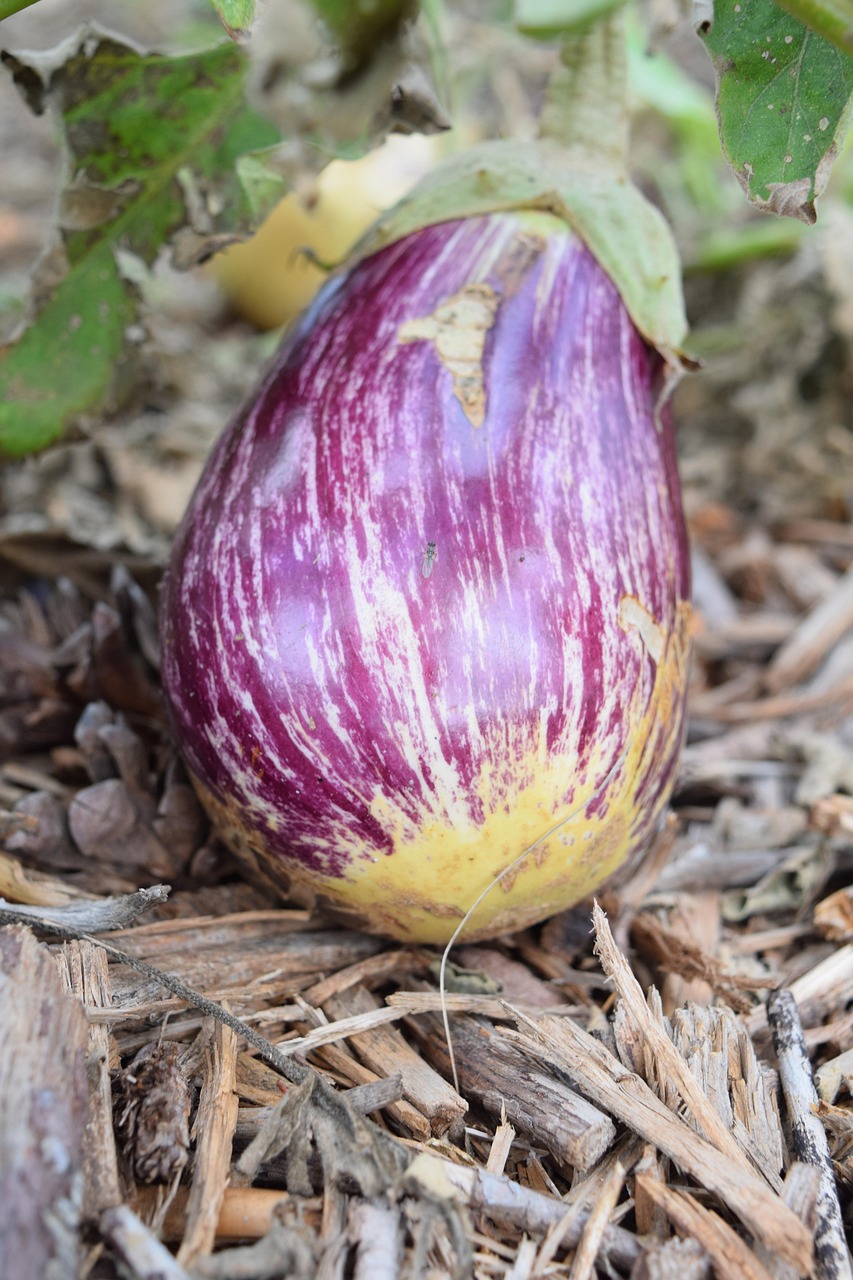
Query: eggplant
x,y
429,606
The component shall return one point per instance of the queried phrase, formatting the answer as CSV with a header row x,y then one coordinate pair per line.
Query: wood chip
x,y
668,1061
622,1093
501,1146
731,1257
596,1224
502,1080
140,1250
809,644
385,1051
214,1131
675,1259
822,991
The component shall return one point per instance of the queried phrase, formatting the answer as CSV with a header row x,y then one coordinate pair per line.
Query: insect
x,y
429,559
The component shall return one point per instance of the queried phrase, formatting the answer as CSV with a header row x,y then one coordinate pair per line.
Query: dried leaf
x,y
152,144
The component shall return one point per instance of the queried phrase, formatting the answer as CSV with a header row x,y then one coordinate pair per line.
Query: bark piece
x,y
42,1112
85,972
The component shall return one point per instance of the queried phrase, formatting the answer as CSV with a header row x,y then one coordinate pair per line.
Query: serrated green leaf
x,y
628,235
783,102
152,144
549,19
236,16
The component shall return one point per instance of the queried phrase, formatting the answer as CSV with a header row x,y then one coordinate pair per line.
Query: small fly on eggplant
x,y
429,559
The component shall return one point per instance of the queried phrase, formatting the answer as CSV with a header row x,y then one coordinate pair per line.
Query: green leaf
x,y
236,16
549,19
153,144
784,99
628,235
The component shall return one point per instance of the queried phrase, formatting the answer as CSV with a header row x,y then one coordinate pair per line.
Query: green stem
x,y
832,19
586,109
8,7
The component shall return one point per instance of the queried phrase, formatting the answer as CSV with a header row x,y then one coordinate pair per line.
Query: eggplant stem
x,y
586,101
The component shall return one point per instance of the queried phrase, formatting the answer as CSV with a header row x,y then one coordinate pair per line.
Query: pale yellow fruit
x,y
270,278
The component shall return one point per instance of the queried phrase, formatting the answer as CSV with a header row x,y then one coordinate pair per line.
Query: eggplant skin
x,y
431,596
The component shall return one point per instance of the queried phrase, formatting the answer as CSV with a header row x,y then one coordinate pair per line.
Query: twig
x,y
829,620
246,1213
295,1072
377,1231
143,1254
807,1133
100,916
508,1203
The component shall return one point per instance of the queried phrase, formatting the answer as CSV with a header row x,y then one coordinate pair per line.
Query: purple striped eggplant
x,y
430,599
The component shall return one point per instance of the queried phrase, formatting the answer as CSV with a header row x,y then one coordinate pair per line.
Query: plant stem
x,y
8,7
586,100
832,19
